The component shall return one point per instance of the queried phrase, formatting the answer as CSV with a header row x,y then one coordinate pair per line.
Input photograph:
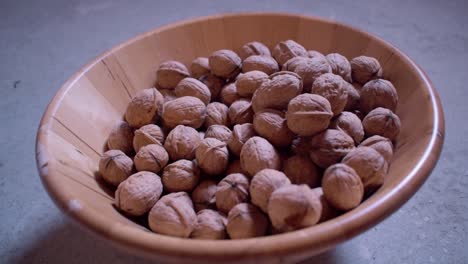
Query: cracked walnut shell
x,y
342,187
152,158
329,147
382,122
232,190
181,176
115,166
225,63
121,137
170,73
308,114
181,143
258,154
263,184
212,156
193,87
331,86
186,110
245,220
144,108
364,69
146,135
271,124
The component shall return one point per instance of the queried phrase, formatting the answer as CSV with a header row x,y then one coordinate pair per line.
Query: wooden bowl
x,y
75,126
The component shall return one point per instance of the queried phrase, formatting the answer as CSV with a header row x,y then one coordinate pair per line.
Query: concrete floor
x,y
43,42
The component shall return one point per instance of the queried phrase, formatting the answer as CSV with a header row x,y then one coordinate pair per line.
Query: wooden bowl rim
x,y
317,238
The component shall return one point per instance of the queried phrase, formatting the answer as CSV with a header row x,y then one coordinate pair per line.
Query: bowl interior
x,y
75,126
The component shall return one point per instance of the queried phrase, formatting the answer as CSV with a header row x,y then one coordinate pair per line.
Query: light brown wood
x,y
75,126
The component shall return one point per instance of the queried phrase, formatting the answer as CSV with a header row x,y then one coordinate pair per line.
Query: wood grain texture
x,y
75,126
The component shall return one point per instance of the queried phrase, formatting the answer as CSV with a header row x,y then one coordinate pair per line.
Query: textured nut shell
x,y
240,135
271,124
301,170
364,68
210,225
240,112
369,165
200,67
193,87
121,137
216,114
378,93
212,156
253,48
382,145
232,190
315,54
258,154
263,184
170,73
115,166
221,133
382,122
186,110
308,114
245,220
181,143
249,82
331,86
293,207
329,147
350,124
138,193
229,94
203,196
152,158
288,49
340,65
214,84
342,187
146,135
353,97
181,176
144,108
173,215
234,167
328,211
309,69
225,63
261,63
168,94
300,146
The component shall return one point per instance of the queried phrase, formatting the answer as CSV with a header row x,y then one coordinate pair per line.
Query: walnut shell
x,y
293,207
200,67
328,211
378,93
261,63
308,114
340,65
315,54
234,167
301,170
210,225
173,215
221,133
288,49
148,134
253,48
138,193
308,69
229,94
170,73
271,124
382,145
121,137
144,108
168,94
263,184
181,176
216,114
364,69
249,82
245,220
214,84
240,135
232,190
181,143
300,146
193,87
331,86
342,187
204,195
212,156
152,158
186,110
329,147
258,154
240,112
115,166
225,63
350,124
382,122
353,97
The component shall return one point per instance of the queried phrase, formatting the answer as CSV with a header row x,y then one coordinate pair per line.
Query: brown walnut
x,y
181,143
253,48
121,137
204,195
240,112
308,114
258,154
378,93
263,184
342,187
331,86
170,73
148,134
301,170
217,114
181,176
261,63
115,166
200,67
271,124
212,156
364,69
340,65
382,145
240,135
249,82
382,122
144,108
288,49
186,110
152,158
350,124
329,147
193,87
232,190
210,225
225,63
245,220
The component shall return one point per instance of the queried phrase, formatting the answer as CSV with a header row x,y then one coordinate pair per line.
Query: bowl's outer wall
x,y
74,129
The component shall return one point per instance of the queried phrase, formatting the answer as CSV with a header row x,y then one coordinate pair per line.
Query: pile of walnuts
x,y
253,143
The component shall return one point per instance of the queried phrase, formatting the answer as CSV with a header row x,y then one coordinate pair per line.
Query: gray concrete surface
x,y
43,42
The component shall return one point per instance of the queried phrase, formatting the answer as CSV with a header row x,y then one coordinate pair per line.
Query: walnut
x,y
329,147
378,93
342,187
212,156
148,134
181,176
115,166
288,49
331,86
214,84
369,165
186,110
245,220
350,124
201,134
240,135
308,69
263,184
144,108
340,65
225,63
277,91
234,167
232,190
301,170
216,114
200,67
301,146
258,154
293,207
210,225
271,124
204,195
138,193
170,73
221,133
173,215
249,82
168,94
365,68
254,48
353,101
240,112
308,114
382,122
315,54
182,142
121,137
152,158
229,94
261,63
382,145
193,87
328,211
